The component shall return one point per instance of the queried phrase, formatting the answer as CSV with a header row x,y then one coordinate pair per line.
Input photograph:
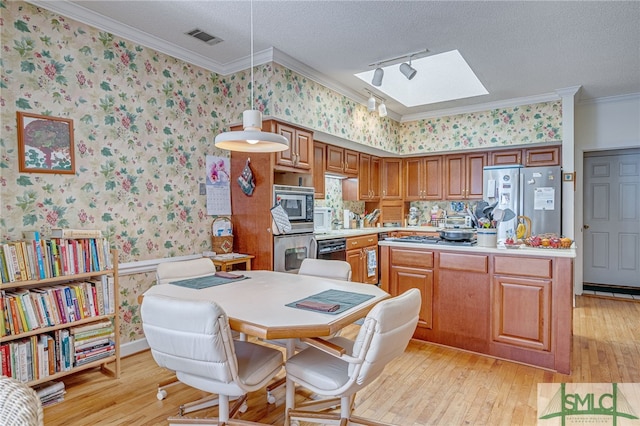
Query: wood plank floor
x,y
428,385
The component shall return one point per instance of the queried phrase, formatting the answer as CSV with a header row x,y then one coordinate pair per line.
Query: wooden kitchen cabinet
x,y
300,153
319,166
342,161
463,176
369,178
505,157
423,178
299,156
543,156
409,269
357,255
391,179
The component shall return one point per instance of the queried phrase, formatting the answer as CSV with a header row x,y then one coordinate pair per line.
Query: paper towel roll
x,y
346,219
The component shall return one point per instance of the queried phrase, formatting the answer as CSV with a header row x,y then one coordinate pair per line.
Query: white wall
x,y
603,124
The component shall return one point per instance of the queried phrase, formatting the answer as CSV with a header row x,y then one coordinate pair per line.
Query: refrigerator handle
x,y
521,197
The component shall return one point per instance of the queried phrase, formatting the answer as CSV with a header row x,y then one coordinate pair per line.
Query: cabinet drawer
x,y
363,241
522,267
412,258
464,262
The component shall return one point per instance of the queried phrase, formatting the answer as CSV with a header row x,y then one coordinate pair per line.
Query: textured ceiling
x,y
517,49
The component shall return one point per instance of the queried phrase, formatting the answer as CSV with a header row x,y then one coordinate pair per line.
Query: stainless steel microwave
x,y
297,201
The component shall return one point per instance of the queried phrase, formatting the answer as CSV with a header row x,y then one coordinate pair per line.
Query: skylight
x,y
442,77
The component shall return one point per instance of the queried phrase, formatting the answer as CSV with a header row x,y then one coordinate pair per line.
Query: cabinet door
x,y
391,179
354,257
432,178
304,150
351,159
506,157
547,156
413,178
403,279
319,165
286,158
454,178
335,159
364,182
374,178
521,312
475,168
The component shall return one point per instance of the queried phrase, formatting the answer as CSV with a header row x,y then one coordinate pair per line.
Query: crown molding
x,y
619,98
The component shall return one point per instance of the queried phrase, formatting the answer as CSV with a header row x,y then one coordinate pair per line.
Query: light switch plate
x,y
203,189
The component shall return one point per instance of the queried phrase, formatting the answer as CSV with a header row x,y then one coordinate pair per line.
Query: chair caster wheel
x,y
270,398
162,394
243,408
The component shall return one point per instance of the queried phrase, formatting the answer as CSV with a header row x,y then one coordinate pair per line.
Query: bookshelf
x,y
54,336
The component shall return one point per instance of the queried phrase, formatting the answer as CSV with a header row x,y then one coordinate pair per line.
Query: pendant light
x,y
252,138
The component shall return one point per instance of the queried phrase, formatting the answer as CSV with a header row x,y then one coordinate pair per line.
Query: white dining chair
x,y
193,338
337,368
175,271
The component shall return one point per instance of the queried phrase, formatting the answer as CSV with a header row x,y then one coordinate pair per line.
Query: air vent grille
x,y
206,37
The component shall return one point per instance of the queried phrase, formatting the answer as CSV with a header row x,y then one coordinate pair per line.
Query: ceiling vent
x,y
207,38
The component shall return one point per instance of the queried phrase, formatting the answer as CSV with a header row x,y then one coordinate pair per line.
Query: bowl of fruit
x,y
511,243
551,241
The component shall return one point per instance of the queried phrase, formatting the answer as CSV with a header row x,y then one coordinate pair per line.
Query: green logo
x,y
597,402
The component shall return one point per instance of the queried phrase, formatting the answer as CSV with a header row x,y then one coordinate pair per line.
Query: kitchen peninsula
x,y
510,304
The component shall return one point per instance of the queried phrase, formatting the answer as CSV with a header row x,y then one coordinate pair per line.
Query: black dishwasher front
x,y
332,249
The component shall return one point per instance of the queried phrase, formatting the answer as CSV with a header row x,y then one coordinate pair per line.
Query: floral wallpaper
x,y
144,123
484,130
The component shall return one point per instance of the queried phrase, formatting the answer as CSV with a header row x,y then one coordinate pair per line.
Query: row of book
x,y
37,357
30,309
37,258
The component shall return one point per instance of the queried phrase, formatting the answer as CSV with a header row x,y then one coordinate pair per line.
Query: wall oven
x,y
290,250
297,201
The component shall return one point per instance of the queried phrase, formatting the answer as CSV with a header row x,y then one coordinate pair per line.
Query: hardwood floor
x,y
428,385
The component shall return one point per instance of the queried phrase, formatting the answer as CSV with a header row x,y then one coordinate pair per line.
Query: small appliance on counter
x,y
322,220
413,218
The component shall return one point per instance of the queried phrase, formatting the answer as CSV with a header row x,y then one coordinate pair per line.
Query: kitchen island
x,y
514,304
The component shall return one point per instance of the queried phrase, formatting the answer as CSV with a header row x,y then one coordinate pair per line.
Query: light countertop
x,y
501,249
356,232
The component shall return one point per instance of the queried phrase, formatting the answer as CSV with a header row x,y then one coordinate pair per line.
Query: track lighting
x,y
408,70
382,110
371,103
377,77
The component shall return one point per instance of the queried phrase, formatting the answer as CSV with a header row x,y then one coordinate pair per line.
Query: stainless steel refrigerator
x,y
534,192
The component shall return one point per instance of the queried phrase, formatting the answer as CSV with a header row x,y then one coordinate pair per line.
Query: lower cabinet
x,y
514,307
362,255
521,312
414,269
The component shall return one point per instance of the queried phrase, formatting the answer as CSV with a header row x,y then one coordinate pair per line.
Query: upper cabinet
x,y
423,178
369,178
391,179
300,153
463,176
342,161
319,165
299,156
544,156
528,157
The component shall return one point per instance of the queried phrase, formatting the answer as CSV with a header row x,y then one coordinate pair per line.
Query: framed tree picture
x,y
45,144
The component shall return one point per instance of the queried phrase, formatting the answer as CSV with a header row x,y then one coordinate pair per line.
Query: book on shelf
x,y
75,233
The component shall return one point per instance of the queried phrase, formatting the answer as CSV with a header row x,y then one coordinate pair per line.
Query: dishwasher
x,y
332,249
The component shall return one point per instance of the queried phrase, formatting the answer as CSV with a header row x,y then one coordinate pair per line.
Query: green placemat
x,y
206,281
346,300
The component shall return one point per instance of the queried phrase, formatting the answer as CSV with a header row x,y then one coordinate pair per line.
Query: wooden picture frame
x,y
45,144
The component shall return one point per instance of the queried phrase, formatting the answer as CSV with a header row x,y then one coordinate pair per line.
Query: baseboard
x,y
612,288
134,347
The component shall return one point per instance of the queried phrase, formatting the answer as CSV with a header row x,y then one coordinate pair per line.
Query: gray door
x,y
612,218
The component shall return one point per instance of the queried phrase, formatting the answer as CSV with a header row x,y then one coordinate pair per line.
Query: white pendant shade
x,y
252,138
